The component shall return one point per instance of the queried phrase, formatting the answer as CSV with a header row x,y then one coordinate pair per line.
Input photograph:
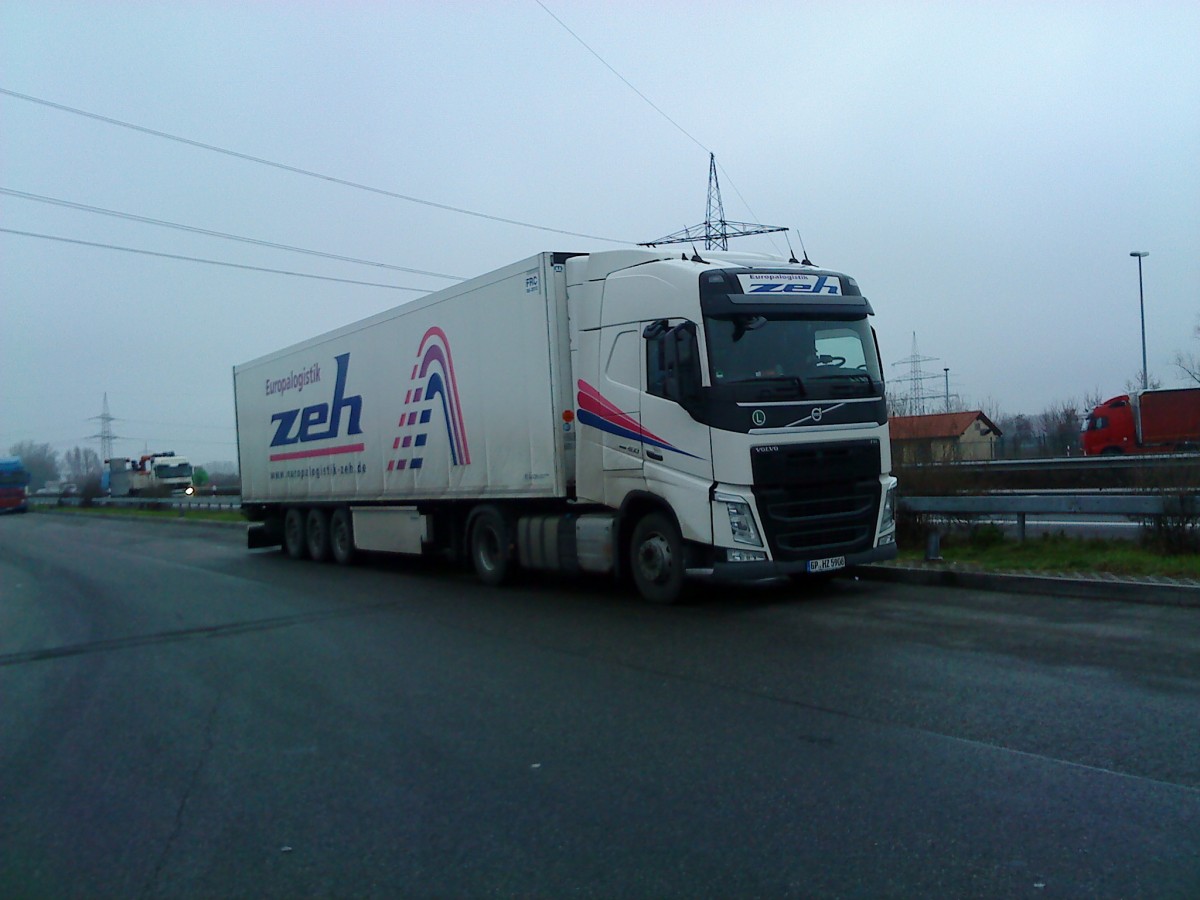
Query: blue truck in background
x,y
14,485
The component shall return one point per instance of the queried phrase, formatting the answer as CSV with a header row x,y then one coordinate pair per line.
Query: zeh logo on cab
x,y
822,285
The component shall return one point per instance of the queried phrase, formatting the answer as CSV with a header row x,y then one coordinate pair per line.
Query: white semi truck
x,y
153,474
639,413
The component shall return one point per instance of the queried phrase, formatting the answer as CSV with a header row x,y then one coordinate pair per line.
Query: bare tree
x,y
1058,428
81,463
41,461
1134,384
1019,439
989,406
900,404
1189,363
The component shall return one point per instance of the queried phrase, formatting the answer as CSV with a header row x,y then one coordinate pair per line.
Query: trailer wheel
x,y
293,533
341,536
490,544
316,534
656,558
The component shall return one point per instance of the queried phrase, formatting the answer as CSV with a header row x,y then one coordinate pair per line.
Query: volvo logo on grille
x,y
759,418
815,415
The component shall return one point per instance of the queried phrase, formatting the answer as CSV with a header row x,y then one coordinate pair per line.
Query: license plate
x,y
827,565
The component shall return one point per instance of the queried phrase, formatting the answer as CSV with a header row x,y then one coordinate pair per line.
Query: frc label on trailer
x,y
320,421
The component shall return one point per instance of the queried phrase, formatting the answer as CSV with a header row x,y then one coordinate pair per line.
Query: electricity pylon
x,y
716,230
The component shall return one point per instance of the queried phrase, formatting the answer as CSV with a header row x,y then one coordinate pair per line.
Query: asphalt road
x,y
180,717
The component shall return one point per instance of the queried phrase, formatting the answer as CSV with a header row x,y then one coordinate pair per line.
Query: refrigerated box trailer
x,y
628,412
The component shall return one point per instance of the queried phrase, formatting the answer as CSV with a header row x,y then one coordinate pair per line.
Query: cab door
x,y
620,394
677,448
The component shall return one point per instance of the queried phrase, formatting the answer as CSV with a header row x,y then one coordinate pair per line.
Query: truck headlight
x,y
735,555
888,522
741,519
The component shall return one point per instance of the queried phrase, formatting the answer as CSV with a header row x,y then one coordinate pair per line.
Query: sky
x,y
983,170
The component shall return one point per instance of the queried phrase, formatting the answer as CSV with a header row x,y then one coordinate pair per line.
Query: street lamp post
x,y
1141,254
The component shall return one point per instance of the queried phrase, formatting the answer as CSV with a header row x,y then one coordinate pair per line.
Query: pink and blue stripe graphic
x,y
599,413
433,387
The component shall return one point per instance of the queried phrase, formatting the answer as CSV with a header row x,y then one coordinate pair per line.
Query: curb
x,y
1152,593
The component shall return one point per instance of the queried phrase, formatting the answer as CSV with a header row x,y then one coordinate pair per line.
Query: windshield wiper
x,y
850,382
774,386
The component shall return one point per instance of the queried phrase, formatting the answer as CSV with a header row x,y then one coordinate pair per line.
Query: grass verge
x,y
1059,554
173,515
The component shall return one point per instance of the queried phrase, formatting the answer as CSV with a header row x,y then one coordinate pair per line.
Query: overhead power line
x,y
211,262
181,425
627,82
220,234
296,170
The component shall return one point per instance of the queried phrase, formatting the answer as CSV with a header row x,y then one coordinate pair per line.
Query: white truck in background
x,y
635,412
155,474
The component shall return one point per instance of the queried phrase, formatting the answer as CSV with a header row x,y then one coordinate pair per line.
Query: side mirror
x,y
655,330
687,365
673,359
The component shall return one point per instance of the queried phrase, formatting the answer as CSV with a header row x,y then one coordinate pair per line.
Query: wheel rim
x,y
294,531
488,544
654,558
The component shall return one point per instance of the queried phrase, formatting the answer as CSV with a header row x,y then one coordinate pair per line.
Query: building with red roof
x,y
943,437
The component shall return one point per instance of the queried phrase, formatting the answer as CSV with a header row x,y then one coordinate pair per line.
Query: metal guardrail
x,y
181,503
1141,505
1069,463
1130,473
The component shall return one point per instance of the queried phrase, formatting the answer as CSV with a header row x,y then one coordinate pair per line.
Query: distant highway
x,y
183,717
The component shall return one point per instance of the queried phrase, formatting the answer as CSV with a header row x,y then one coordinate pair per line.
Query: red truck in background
x,y
1158,421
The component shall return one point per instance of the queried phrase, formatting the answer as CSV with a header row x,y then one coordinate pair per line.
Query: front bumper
x,y
744,572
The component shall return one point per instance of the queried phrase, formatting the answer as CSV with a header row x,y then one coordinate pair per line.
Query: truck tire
x,y
656,558
316,534
341,536
293,533
490,546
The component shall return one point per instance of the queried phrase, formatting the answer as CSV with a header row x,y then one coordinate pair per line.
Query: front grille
x,y
818,500
809,522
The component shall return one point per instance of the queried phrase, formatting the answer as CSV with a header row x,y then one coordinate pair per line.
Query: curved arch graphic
x,y
598,412
433,386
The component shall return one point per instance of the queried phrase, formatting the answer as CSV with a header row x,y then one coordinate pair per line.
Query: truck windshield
x,y
178,470
13,478
794,356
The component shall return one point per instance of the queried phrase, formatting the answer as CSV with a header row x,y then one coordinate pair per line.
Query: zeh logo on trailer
x,y
304,424
432,388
